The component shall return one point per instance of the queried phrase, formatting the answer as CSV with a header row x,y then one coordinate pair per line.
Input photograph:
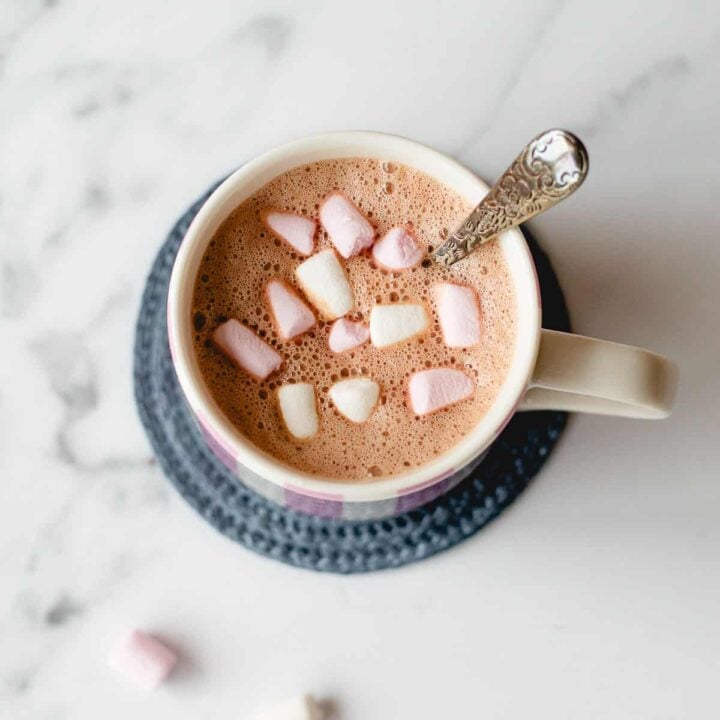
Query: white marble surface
x,y
596,596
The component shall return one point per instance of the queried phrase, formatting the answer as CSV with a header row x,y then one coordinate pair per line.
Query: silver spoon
x,y
551,167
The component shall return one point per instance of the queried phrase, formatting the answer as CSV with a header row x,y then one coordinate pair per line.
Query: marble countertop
x,y
595,596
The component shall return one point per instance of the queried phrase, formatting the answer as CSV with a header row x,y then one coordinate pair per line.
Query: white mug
x,y
549,370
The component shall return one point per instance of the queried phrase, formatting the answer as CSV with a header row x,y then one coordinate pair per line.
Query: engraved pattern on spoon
x,y
549,169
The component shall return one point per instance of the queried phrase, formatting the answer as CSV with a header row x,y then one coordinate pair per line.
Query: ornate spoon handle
x,y
551,167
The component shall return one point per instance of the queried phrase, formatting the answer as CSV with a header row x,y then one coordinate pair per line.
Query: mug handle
x,y
582,374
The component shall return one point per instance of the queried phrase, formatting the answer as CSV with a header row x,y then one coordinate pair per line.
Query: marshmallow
x,y
298,409
292,316
304,707
245,348
323,280
346,335
459,313
347,227
142,659
296,230
397,250
355,398
431,390
391,324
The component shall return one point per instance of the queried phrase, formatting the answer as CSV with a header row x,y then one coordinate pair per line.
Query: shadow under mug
x,y
549,370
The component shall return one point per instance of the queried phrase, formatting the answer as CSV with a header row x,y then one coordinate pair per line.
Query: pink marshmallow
x,y
397,250
246,349
296,230
459,313
431,390
349,230
292,316
142,659
346,335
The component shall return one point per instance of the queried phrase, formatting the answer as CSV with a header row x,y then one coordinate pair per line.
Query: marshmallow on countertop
x,y
355,398
292,316
349,230
298,409
246,349
300,708
391,324
459,313
325,283
296,230
142,659
434,389
346,335
397,250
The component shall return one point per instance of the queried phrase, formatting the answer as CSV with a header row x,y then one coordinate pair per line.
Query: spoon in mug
x,y
549,169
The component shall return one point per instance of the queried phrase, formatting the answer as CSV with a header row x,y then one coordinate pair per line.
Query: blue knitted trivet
x,y
328,545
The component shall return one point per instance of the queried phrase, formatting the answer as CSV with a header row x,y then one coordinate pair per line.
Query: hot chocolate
x,y
367,303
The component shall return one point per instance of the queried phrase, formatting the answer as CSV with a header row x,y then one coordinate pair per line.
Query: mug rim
x,y
256,173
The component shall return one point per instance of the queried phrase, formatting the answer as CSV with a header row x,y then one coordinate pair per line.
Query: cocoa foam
x,y
244,255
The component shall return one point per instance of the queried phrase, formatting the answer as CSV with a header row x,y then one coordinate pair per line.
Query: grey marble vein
x,y
18,285
63,610
273,32
73,379
71,372
662,75
535,35
25,16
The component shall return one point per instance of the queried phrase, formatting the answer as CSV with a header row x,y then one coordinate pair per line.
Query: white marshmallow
x,y
434,389
349,230
304,707
397,250
346,335
391,324
325,283
296,230
142,659
355,398
298,409
246,349
459,313
292,316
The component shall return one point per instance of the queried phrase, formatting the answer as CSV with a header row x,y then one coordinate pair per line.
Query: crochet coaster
x,y
327,545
